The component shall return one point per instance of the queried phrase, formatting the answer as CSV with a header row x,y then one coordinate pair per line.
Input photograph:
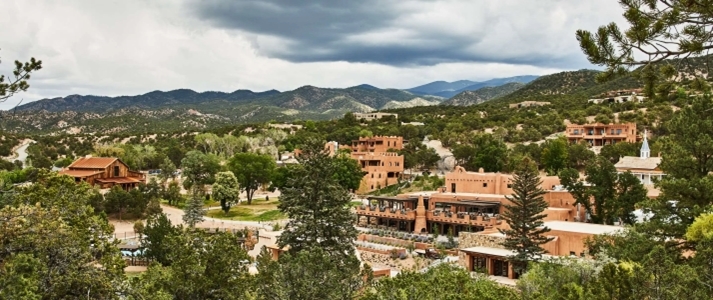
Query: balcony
x,y
386,212
462,218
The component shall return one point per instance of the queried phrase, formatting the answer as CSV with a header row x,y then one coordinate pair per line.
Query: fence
x,y
125,235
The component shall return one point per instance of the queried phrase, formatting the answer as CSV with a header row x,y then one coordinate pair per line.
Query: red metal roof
x,y
119,180
92,162
80,173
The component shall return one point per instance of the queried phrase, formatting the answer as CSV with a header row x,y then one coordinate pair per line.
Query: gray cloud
x,y
409,32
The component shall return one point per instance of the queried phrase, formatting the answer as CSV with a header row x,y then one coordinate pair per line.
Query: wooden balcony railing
x,y
386,212
462,218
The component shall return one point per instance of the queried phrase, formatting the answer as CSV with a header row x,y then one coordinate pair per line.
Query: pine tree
x,y
525,215
318,207
658,30
194,212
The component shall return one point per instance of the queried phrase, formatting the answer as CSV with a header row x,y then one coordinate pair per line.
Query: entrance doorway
x,y
453,187
500,268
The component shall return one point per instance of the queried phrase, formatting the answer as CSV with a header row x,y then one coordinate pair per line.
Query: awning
x,y
477,203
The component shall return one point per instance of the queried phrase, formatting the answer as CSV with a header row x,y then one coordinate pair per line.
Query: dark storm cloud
x,y
325,31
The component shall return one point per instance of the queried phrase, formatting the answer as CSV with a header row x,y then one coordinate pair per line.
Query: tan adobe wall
x,y
567,242
603,132
377,144
383,169
488,183
470,239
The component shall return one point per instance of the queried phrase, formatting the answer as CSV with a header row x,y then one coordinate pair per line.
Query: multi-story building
x,y
373,116
376,144
104,172
383,168
470,202
470,206
599,134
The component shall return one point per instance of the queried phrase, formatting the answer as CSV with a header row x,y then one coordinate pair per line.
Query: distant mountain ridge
x,y
450,89
467,98
151,100
188,109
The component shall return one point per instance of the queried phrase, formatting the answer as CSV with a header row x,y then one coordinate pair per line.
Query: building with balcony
x,y
376,144
644,167
383,168
470,202
470,206
599,134
104,172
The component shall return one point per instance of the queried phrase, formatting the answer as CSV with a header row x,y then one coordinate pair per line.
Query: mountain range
x,y
186,109
450,89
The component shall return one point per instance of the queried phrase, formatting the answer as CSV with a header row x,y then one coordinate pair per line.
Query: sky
x,y
130,47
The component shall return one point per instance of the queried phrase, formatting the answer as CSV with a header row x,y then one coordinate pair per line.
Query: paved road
x,y
21,152
175,215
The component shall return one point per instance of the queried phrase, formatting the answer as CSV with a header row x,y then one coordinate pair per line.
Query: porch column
x,y
511,274
490,265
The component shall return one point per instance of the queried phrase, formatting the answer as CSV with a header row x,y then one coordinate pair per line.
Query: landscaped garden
x,y
259,210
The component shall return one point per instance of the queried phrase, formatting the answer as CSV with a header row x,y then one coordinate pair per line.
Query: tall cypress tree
x,y
525,215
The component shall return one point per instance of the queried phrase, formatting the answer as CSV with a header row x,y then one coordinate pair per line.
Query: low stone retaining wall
x,y
399,242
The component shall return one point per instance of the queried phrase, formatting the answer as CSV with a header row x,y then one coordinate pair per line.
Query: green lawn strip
x,y
241,213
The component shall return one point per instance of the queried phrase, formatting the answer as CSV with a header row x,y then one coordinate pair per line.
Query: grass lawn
x,y
133,274
259,210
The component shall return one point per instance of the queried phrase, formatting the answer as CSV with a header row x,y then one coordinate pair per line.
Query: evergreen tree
x,y
318,206
10,86
525,215
194,212
657,30
687,188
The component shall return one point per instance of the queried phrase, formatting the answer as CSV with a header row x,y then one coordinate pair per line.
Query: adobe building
x,y
105,172
383,168
599,134
483,252
470,202
644,167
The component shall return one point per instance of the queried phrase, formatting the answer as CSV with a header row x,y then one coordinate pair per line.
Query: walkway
x,y
175,215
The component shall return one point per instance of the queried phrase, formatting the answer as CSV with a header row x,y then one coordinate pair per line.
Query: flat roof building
x,y
599,134
373,116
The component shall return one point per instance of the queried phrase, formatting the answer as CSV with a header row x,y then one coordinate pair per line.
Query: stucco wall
x,y
469,239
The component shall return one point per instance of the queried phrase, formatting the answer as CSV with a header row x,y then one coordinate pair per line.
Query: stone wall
x,y
469,239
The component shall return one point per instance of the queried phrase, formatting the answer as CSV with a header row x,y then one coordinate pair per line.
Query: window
x,y
509,185
479,264
571,253
372,175
116,171
485,184
618,131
